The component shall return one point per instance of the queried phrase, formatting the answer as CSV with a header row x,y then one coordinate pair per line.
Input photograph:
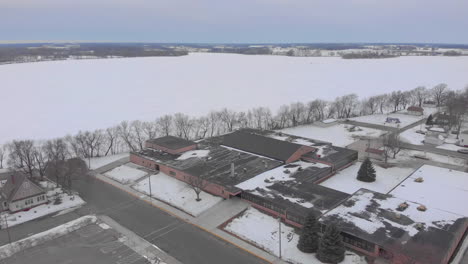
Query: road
x,y
183,241
435,150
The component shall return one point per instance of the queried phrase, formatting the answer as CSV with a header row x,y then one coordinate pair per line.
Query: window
x,y
172,173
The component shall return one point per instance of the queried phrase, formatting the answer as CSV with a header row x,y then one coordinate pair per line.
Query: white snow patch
x,y
339,134
194,154
386,179
177,193
262,230
102,161
104,226
125,174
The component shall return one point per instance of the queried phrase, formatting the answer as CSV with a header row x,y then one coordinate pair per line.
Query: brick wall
x,y
168,150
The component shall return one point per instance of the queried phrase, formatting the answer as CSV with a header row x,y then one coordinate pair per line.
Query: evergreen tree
x,y
366,172
331,248
429,120
309,239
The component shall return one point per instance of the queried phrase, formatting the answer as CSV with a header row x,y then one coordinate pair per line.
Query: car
x,y
464,151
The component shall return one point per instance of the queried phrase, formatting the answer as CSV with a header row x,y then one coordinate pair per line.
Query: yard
x,y
340,135
262,230
125,174
177,194
386,179
98,162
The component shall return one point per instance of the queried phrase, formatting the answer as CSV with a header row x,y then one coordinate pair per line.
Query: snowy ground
x,y
338,134
407,155
386,179
410,136
379,119
177,193
208,84
125,174
68,202
102,161
262,230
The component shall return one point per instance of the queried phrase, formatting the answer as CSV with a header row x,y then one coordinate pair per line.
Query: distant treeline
x,y
367,55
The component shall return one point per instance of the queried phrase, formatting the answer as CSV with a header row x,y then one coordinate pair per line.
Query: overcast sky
x,y
241,21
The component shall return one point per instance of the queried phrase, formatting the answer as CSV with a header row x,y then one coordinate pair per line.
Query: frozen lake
x,y
51,99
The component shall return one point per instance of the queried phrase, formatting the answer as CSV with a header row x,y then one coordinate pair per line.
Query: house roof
x,y
426,236
375,151
415,108
19,187
172,142
249,141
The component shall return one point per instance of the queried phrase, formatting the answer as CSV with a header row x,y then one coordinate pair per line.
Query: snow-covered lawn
x,y
177,194
379,119
406,155
262,230
208,84
68,202
338,134
386,179
125,174
410,136
102,161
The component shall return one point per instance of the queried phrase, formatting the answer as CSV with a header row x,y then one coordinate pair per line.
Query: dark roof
x,y
249,141
19,187
336,156
172,142
375,218
375,151
415,108
216,166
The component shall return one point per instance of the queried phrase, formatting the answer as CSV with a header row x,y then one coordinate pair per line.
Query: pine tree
x,y
366,172
309,239
331,248
429,120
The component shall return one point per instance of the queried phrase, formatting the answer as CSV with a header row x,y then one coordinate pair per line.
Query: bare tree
x,y
125,132
111,137
150,129
183,125
392,144
420,94
396,98
21,156
40,159
138,133
439,91
164,124
198,184
2,156
228,118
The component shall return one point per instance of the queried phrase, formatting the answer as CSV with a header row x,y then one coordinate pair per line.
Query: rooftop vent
x,y
287,171
245,170
419,226
397,215
402,206
419,179
422,208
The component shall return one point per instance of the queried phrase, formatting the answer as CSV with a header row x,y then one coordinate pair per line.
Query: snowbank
x,y
34,240
125,174
262,230
177,194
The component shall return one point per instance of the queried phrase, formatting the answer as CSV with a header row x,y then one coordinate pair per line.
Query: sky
x,y
238,21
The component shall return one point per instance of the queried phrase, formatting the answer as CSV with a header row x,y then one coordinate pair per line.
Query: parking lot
x,y
90,244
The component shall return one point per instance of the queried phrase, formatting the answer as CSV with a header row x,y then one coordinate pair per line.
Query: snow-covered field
x,y
386,179
102,161
262,230
125,174
379,119
406,155
338,134
90,94
177,194
410,136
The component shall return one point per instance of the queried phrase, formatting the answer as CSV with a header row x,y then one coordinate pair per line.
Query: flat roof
x,y
213,162
426,236
253,141
441,188
172,142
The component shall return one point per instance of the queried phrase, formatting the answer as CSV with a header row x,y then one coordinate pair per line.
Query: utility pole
x,y
8,229
279,235
151,198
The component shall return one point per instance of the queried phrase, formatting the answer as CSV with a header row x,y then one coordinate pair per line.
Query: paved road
x,y
435,150
183,241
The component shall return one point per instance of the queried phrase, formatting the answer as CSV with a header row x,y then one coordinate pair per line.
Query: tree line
x,y
32,156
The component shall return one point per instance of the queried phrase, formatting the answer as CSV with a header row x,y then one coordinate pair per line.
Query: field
x,y
48,97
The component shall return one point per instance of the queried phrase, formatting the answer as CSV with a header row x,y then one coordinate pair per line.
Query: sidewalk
x,y
207,221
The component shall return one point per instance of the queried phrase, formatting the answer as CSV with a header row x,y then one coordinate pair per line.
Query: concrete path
x,y
139,245
208,221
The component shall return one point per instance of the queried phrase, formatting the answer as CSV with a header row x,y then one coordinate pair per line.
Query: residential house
x,y
20,193
415,110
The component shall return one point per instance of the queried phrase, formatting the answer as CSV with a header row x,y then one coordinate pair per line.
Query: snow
x,y
406,155
380,119
125,174
338,134
328,121
4,170
207,84
68,202
177,194
194,154
372,221
386,179
39,238
102,161
262,230
452,184
410,136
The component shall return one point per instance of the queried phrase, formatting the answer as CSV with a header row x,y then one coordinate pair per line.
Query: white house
x,y
20,193
463,138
